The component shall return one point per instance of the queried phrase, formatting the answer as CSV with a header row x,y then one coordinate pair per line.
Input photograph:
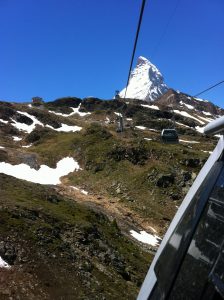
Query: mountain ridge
x,y
146,82
91,224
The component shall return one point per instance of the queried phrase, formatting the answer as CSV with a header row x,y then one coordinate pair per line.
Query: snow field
x,y
30,128
146,238
45,175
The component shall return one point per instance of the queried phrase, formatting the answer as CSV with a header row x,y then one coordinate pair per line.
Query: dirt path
x,y
113,209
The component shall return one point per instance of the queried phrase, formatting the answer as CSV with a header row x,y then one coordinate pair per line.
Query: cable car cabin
x,y
189,263
169,136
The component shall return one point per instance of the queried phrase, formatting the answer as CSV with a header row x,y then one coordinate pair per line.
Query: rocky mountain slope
x,y
146,82
82,205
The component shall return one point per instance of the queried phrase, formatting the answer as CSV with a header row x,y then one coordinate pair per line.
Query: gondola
x,y
169,136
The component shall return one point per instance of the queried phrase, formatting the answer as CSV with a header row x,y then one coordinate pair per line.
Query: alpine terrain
x,y
83,207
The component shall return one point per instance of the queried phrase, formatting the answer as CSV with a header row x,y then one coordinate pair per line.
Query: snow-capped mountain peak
x,y
146,82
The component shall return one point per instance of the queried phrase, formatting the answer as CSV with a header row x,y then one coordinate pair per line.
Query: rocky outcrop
x,y
165,180
136,155
8,252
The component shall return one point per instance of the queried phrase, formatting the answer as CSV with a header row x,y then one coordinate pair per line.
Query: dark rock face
x,y
6,110
136,155
91,244
46,118
8,252
3,155
172,98
23,119
186,176
175,196
92,104
38,133
192,162
95,167
8,129
165,180
29,159
65,101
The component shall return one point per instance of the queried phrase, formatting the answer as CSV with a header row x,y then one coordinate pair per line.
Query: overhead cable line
x,y
211,87
164,32
135,44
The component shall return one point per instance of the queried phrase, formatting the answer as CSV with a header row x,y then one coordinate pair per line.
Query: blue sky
x,y
55,48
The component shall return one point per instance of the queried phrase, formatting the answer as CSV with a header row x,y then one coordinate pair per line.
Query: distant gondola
x,y
169,136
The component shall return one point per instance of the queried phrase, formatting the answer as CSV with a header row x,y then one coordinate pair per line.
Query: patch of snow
x,y
25,127
206,113
80,190
30,105
61,114
147,139
84,192
27,146
199,99
45,175
75,111
153,229
188,106
210,152
107,120
146,238
30,128
155,130
74,188
1,147
16,138
66,128
4,264
118,114
141,127
150,106
206,119
200,129
129,119
3,121
186,114
190,142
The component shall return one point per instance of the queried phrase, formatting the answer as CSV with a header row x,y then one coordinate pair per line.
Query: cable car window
x,y
201,275
172,255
